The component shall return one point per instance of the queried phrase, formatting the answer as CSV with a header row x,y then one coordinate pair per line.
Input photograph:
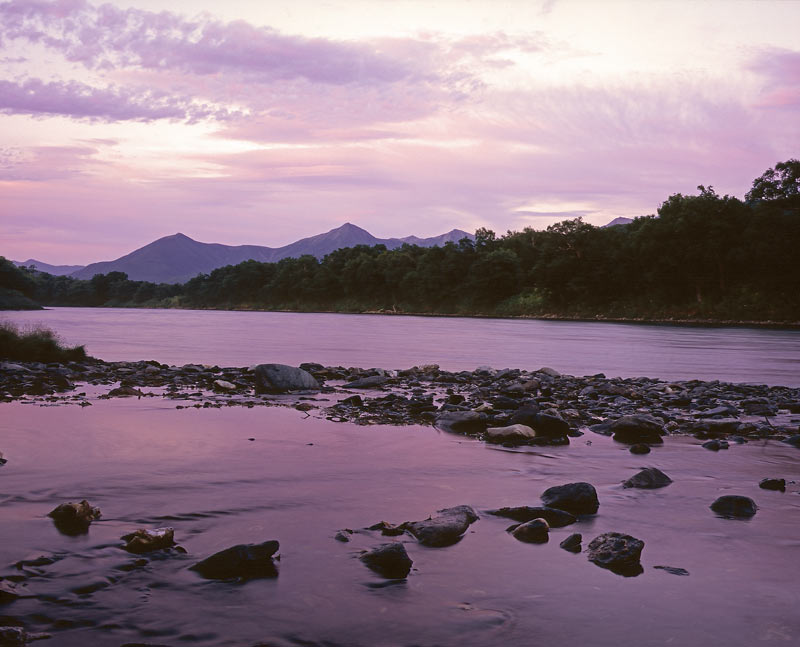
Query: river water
x,y
577,348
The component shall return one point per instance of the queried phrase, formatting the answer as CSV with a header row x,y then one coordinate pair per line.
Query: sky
x,y
261,122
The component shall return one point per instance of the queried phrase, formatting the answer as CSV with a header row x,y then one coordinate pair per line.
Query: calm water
x,y
300,480
576,348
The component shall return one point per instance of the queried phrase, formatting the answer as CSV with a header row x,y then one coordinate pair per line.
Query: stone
x,y
280,378
674,570
794,441
224,385
715,445
8,592
547,424
74,518
388,529
536,531
525,415
445,529
546,370
516,434
734,505
617,552
553,516
639,448
650,478
773,484
124,392
388,560
572,543
241,561
371,382
343,535
462,422
637,429
577,498
146,541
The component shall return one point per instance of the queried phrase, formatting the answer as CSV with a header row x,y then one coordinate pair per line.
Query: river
x,y
228,338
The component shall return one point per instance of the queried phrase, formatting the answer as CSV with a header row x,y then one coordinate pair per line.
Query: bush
x,y
36,345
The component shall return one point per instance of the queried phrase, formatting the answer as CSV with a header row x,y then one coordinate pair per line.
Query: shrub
x,y
36,345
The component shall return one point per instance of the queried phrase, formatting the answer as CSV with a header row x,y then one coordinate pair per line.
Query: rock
x,y
353,401
280,378
734,505
577,498
145,541
639,448
388,529
525,415
243,560
516,434
572,543
8,592
617,552
536,531
637,429
715,445
546,370
773,484
343,535
444,529
124,392
371,382
3,460
223,385
547,424
553,516
462,422
650,478
18,637
74,518
674,570
388,560
794,441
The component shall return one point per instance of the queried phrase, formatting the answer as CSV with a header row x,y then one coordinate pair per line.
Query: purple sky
x,y
263,122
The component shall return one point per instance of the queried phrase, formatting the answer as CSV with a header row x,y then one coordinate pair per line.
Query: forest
x,y
701,257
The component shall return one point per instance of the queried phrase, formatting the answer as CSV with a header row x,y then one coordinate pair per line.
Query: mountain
x,y
55,270
619,221
177,258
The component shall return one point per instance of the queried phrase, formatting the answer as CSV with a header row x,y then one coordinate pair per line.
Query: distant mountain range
x,y
178,258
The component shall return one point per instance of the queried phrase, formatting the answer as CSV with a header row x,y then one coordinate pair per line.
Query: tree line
x,y
702,256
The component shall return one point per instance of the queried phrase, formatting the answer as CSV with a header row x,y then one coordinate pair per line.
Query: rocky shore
x,y
507,406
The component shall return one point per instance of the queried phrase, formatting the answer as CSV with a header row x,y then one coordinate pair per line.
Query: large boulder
x,y
577,498
617,552
445,529
734,505
280,378
243,561
462,422
650,478
388,560
637,429
535,531
553,516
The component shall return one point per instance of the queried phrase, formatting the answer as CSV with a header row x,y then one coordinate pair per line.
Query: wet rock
x,y
516,434
444,529
124,392
536,531
388,529
674,570
553,516
280,378
343,535
242,561
650,478
577,498
639,448
224,385
794,441
388,560
617,552
773,484
3,460
550,425
715,445
353,401
74,518
146,541
18,637
572,543
550,372
734,505
637,429
8,592
462,422
370,382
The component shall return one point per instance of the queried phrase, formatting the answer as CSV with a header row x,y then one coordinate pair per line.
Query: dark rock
x,y
577,498
617,552
444,529
353,401
74,518
794,441
343,535
546,424
650,478
637,429
388,560
388,529
723,410
734,505
371,382
715,445
243,560
124,392
572,543
553,516
146,541
773,484
463,422
279,378
505,403
18,637
674,570
536,531
639,448
8,592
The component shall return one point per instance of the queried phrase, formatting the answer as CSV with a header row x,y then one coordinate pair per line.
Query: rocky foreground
x,y
508,406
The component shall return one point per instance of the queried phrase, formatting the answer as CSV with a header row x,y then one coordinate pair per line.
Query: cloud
x,y
780,69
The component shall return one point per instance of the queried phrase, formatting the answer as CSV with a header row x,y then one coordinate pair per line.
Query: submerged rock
x,y
243,560
674,570
74,518
388,560
577,498
462,422
536,531
649,478
734,505
617,552
639,448
553,516
280,378
773,484
145,541
444,529
572,543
